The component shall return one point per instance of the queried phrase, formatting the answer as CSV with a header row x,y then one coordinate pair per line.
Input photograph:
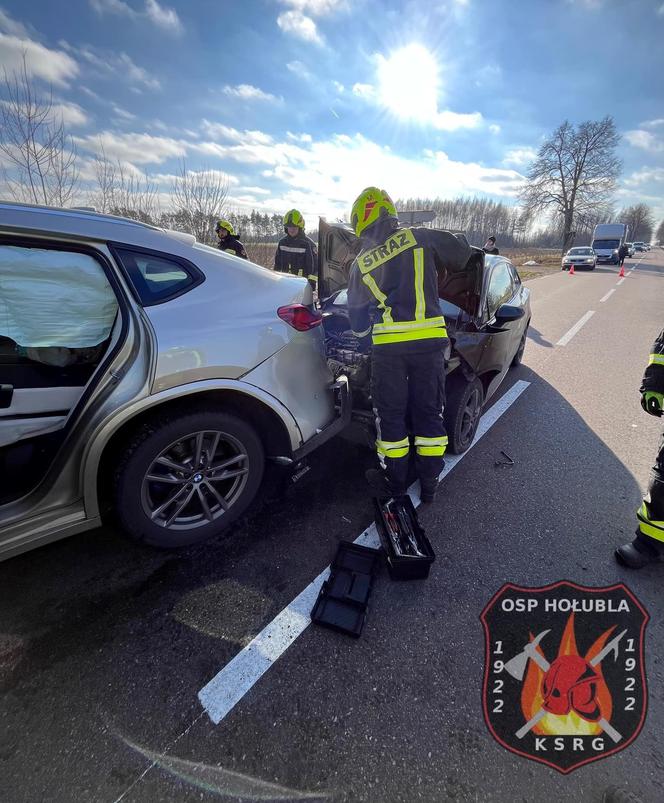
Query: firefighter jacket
x,y
653,378
393,287
297,255
233,246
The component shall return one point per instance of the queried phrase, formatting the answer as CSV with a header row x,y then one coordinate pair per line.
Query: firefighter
x,y
296,253
648,546
393,302
228,239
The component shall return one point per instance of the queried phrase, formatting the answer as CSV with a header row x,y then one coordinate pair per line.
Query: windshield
x,y
604,244
581,252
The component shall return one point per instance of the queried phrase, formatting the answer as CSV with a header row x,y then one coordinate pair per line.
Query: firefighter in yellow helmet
x,y
228,239
393,300
296,253
648,546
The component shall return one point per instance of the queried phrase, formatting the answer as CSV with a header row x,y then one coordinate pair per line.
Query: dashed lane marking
x,y
564,340
221,694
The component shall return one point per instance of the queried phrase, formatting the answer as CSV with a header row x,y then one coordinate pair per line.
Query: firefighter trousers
x,y
408,395
651,512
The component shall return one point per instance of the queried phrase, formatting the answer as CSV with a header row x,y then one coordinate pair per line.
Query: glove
x,y
652,403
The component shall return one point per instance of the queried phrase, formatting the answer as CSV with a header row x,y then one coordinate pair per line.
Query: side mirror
x,y
506,313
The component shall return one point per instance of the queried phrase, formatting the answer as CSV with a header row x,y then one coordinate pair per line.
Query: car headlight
x,y
615,250
590,259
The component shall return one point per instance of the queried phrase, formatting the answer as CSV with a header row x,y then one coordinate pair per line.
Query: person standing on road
x,y
228,239
393,299
648,546
296,253
490,246
623,251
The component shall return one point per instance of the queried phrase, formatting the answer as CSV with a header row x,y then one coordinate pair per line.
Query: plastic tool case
x,y
408,551
344,596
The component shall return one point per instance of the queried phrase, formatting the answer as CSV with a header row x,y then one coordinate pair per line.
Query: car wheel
x,y
518,357
463,408
185,478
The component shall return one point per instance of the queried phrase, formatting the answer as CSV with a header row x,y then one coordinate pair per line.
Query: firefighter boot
x,y
428,488
639,553
380,484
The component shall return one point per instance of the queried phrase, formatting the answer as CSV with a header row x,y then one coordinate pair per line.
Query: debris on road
x,y
507,462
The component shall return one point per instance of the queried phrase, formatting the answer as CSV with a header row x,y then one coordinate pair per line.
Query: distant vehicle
x,y
582,257
607,239
640,247
160,390
630,249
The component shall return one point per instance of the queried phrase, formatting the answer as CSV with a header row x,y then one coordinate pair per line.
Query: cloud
x,y
138,148
520,156
644,140
317,8
122,113
453,121
660,10
71,113
364,90
299,69
16,44
106,64
299,137
299,25
222,131
339,87
645,176
494,128
653,123
249,92
160,16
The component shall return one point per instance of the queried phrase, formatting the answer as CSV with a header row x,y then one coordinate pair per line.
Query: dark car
x,y
487,311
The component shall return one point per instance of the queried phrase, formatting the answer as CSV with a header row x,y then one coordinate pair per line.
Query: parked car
x,y
581,257
639,247
487,312
630,249
147,374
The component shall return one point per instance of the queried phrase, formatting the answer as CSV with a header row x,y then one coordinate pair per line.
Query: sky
x,y
303,103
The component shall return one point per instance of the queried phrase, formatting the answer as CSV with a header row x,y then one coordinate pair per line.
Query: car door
x,y
503,335
57,313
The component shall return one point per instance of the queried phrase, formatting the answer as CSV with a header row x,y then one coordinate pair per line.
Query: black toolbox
x,y
343,599
408,558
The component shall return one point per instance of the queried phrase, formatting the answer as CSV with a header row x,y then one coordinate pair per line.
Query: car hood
x,y
338,246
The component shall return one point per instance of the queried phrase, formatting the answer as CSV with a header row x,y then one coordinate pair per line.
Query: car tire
x,y
216,501
518,357
463,408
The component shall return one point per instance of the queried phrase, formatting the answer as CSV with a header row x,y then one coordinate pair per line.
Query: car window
x,y
500,287
155,278
56,306
514,273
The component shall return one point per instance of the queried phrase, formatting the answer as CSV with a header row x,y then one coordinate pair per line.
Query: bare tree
x,y
640,220
133,194
199,198
574,172
34,142
659,235
106,180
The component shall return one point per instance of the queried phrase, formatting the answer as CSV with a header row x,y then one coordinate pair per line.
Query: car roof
x,y
80,224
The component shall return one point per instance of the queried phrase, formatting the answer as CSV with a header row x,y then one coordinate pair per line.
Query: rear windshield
x,y
606,244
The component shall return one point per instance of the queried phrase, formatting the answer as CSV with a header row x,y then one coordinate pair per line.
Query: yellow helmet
x,y
370,205
293,218
224,224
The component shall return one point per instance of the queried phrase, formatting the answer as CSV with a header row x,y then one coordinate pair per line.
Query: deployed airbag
x,y
54,298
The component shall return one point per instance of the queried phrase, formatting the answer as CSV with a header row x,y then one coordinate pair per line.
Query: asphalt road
x,y
105,645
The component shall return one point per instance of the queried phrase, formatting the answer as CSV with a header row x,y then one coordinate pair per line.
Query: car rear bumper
x,y
343,408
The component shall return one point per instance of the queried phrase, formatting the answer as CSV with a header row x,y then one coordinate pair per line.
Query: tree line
x,y
569,186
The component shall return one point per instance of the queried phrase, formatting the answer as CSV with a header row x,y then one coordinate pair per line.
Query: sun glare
x,y
409,82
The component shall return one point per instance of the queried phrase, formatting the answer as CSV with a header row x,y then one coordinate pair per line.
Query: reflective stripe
x,y
440,441
409,326
393,449
312,277
292,250
380,297
654,529
362,334
656,359
430,451
404,337
419,284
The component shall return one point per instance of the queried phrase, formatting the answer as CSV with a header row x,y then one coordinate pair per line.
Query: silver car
x,y
145,373
580,257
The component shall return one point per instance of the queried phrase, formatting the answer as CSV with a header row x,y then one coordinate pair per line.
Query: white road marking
x,y
608,295
620,281
220,695
564,340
